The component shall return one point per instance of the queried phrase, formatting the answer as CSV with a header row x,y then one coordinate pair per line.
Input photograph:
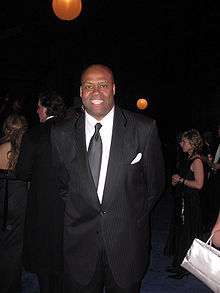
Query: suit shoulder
x,y
66,124
138,119
63,124
35,133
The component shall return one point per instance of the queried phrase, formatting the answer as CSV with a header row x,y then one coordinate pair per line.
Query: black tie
x,y
95,154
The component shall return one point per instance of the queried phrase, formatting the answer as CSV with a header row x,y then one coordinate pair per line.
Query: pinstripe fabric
x,y
129,194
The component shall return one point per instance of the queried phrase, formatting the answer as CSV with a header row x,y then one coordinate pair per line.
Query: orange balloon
x,y
142,104
67,9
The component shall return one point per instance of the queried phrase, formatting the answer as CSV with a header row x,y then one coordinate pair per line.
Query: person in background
x,y
212,186
186,221
208,153
13,195
214,181
44,216
111,173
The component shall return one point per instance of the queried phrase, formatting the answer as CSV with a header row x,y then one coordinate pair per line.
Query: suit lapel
x,y
83,165
116,155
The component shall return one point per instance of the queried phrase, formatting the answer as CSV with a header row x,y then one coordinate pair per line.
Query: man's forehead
x,y
95,81
97,72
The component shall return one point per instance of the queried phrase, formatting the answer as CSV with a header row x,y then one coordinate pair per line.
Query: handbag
x,y
203,261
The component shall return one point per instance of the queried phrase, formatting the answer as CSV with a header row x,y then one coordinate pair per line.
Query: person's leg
x,y
43,283
114,288
70,286
16,283
56,283
50,283
111,286
10,276
96,284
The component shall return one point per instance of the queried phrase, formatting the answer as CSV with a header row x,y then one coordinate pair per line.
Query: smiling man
x,y
111,172
97,91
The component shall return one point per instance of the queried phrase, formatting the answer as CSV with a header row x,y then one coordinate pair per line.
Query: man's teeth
x,y
97,102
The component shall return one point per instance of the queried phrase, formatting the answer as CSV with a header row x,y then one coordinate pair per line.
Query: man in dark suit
x,y
106,222
43,235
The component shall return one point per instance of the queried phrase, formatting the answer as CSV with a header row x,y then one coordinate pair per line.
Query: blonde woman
x,y
13,194
186,221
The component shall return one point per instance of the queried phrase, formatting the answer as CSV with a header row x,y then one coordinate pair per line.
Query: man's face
x,y
42,112
97,91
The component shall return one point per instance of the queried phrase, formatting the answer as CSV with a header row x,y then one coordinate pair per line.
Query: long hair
x,y
14,127
195,141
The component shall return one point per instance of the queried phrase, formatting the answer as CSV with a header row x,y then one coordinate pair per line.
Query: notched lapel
x,y
82,158
116,156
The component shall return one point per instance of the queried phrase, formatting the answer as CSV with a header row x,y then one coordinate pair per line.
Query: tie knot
x,y
97,128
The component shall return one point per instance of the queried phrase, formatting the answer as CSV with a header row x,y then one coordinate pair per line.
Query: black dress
x,y
213,190
186,220
13,195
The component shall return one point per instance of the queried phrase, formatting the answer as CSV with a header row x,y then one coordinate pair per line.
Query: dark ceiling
x,y
164,50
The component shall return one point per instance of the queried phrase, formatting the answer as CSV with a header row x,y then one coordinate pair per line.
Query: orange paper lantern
x,y
67,9
142,104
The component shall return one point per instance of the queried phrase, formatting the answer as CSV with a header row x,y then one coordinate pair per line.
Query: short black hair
x,y
54,103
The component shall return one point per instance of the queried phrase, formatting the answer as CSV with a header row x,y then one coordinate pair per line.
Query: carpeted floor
x,y
156,280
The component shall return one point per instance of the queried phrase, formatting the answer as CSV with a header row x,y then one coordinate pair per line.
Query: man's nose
x,y
96,89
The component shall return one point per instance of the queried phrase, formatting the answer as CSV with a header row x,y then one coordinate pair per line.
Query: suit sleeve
x,y
154,166
58,165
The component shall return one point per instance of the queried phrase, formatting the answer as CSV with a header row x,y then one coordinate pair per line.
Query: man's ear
x,y
80,91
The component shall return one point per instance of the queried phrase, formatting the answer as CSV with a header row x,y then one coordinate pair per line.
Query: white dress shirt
x,y
106,136
49,117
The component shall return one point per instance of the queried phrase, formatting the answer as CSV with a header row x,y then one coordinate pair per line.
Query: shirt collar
x,y
49,117
105,121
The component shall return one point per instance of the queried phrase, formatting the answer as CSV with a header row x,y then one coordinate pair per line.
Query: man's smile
x,y
97,102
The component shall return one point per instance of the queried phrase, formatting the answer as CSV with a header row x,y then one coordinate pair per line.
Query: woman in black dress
x,y
13,195
186,221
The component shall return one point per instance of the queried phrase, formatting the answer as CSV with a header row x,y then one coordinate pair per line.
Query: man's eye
x,y
88,87
103,86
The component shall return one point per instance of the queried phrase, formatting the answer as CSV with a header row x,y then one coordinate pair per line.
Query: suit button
x,y
9,227
102,213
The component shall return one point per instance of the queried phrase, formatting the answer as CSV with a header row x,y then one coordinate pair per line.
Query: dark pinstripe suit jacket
x,y
130,192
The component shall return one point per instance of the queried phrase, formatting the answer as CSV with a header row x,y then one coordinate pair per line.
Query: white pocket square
x,y
137,159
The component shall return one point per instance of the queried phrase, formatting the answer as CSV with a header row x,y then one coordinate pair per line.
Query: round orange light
x,y
67,9
142,104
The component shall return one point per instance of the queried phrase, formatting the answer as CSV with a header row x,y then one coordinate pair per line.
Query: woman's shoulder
x,y
196,159
196,163
4,149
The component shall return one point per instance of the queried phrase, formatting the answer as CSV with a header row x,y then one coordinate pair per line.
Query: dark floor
x,y
156,280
